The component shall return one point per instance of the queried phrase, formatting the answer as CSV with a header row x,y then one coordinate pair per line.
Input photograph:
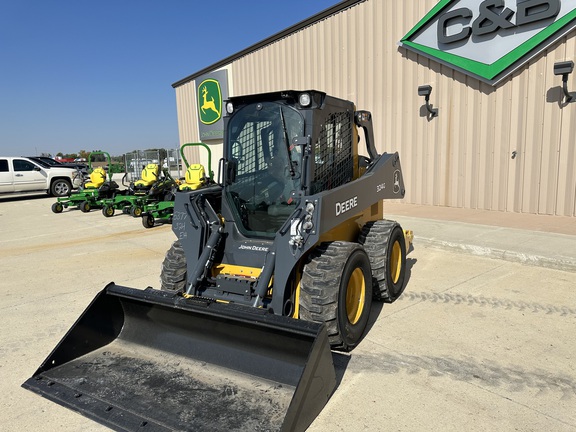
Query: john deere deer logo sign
x,y
211,91
492,38
210,101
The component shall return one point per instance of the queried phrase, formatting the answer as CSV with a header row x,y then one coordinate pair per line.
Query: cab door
x,y
28,176
6,177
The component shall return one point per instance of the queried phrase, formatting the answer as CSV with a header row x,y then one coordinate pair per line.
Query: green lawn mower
x,y
99,187
136,197
162,210
159,206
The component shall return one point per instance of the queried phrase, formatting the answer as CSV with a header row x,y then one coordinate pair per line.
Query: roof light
x,y
304,99
229,107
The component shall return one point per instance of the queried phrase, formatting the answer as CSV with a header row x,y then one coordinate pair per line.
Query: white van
x,y
20,175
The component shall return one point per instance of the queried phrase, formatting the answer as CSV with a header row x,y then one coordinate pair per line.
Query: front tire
x,y
136,211
336,288
57,207
85,206
108,211
386,246
148,221
173,274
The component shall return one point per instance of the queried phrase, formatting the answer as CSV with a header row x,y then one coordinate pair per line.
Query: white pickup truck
x,y
21,175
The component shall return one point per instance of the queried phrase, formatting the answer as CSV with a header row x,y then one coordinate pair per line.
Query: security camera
x,y
563,68
424,90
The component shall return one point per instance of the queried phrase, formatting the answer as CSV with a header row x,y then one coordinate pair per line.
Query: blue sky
x,y
96,75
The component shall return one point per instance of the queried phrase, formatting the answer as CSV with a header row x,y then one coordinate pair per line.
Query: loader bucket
x,y
149,360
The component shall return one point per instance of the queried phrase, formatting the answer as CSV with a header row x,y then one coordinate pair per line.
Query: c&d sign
x,y
492,38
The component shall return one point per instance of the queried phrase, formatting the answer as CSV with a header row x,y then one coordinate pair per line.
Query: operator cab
x,y
264,187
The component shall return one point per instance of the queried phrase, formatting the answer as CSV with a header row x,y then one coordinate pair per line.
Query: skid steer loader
x,y
274,265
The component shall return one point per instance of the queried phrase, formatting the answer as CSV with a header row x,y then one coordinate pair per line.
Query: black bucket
x,y
147,360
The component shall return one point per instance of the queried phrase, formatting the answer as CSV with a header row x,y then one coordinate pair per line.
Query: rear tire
x,y
336,288
61,188
386,247
173,274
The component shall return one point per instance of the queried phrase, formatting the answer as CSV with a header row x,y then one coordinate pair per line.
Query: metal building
x,y
504,137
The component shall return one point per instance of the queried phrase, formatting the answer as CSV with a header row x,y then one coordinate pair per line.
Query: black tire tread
x,y
173,273
319,288
375,236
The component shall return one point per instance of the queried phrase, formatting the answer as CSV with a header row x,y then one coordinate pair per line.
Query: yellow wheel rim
x,y
396,262
355,296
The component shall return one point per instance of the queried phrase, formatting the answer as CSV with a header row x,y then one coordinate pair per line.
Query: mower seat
x,y
195,177
97,178
149,176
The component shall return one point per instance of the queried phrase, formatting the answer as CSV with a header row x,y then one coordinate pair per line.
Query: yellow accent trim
x,y
234,270
296,313
409,237
396,262
355,296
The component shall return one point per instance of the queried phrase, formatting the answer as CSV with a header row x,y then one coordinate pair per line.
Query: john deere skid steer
x,y
274,265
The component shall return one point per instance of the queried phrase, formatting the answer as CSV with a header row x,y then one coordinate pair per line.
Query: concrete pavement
x,y
545,241
474,343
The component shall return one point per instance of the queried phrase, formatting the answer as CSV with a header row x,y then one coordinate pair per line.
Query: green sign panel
x,y
209,101
211,91
490,39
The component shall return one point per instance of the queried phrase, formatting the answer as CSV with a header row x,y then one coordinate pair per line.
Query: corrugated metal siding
x,y
462,158
187,123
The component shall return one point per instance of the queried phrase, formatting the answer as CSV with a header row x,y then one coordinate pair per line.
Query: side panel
x,y
318,214
382,181
28,176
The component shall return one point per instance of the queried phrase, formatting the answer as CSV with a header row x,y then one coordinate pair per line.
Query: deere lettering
x,y
492,16
344,206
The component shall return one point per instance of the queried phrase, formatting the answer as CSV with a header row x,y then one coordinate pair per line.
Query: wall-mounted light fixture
x,y
425,91
565,68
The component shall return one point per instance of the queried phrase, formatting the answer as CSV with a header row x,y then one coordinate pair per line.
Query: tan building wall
x,y
463,157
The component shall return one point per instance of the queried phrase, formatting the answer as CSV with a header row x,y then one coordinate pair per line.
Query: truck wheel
x,y
60,188
173,273
336,288
57,207
386,247
108,211
85,206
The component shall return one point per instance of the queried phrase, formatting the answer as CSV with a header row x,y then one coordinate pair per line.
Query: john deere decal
x,y
209,101
492,38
